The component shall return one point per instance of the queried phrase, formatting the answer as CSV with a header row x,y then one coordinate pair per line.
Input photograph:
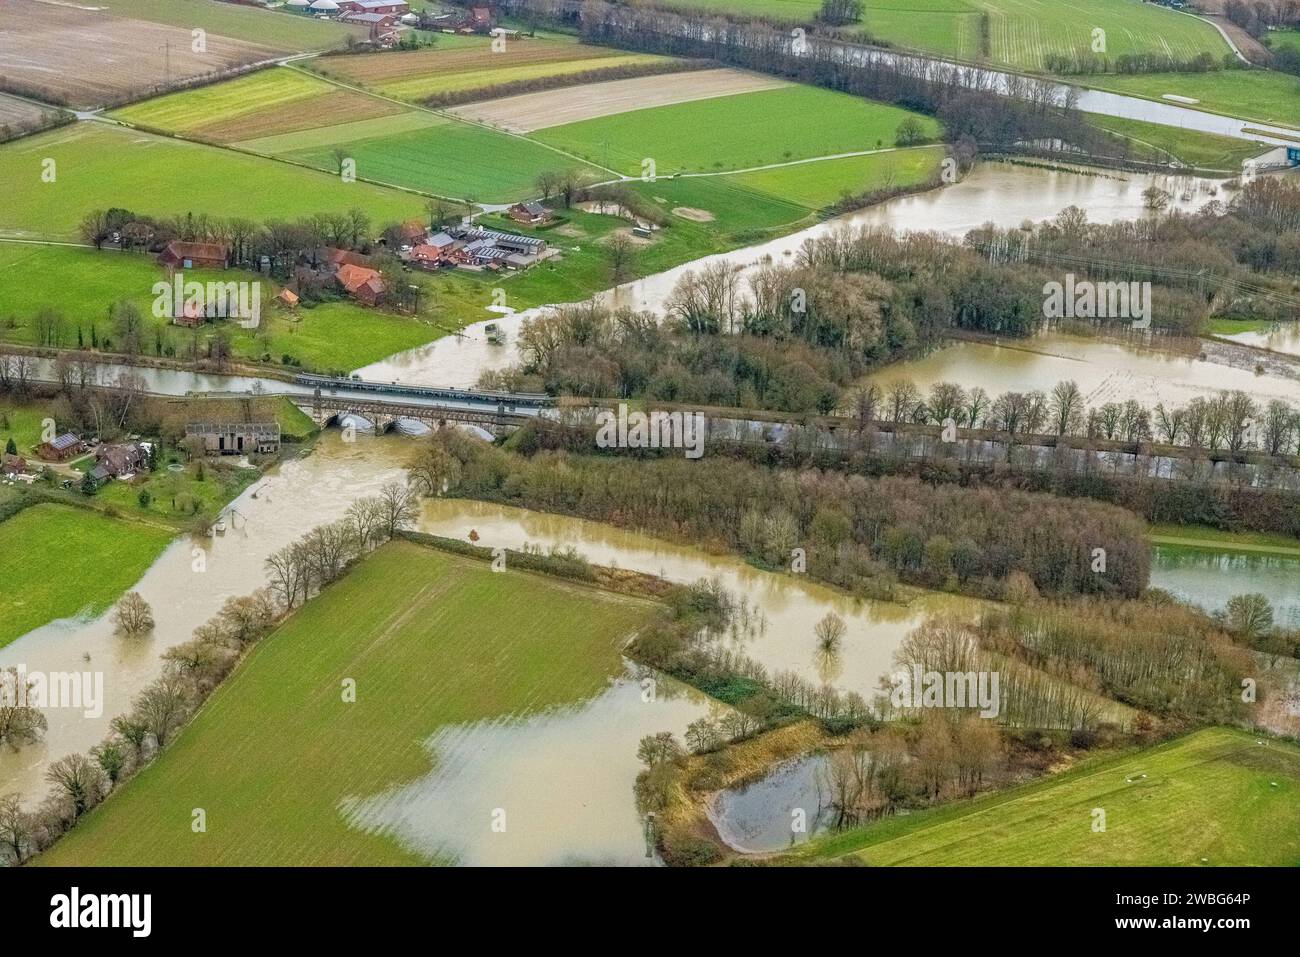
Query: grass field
x,y
268,102
821,184
1200,536
99,166
468,63
80,284
430,642
1020,32
441,155
56,561
1208,797
1202,150
1284,38
734,132
1260,95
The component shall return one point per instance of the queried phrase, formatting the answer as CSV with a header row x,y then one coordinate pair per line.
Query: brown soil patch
x,y
693,214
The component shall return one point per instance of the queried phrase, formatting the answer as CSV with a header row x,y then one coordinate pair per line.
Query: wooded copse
x,y
859,533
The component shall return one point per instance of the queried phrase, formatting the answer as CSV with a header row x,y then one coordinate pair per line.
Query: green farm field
x,y
80,284
469,63
269,102
1260,95
1020,32
423,635
441,155
735,132
286,31
1216,796
100,166
57,561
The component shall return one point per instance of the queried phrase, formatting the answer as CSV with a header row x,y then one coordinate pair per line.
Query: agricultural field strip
x,y
448,115
528,112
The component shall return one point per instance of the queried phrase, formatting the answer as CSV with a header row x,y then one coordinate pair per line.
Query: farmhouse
x,y
236,438
343,257
119,461
531,213
183,255
361,283
12,464
60,448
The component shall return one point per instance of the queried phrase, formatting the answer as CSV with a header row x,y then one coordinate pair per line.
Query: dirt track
x,y
537,111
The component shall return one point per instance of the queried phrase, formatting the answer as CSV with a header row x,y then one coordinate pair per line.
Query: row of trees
x,y
1228,421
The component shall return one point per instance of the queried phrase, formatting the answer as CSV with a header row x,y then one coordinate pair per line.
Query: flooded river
x,y
1105,371
186,586
790,606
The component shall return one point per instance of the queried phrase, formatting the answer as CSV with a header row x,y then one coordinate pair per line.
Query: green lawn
x,y
286,31
1284,38
81,284
821,184
1200,536
99,166
56,561
1209,795
1260,95
1202,150
430,641
735,132
22,423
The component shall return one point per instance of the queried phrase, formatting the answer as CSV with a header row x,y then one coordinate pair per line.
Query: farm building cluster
x,y
472,247
386,17
112,460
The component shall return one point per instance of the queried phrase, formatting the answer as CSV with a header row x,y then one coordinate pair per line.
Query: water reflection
x,y
1209,578
564,780
787,806
784,640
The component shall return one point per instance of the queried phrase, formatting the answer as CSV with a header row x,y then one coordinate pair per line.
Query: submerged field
x,y
1216,797
57,561
735,132
430,642
1191,147
99,166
